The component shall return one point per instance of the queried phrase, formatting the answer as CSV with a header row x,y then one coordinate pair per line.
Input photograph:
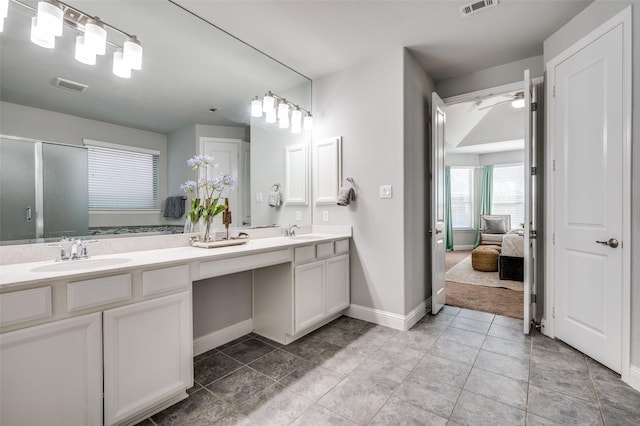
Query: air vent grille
x,y
70,85
476,6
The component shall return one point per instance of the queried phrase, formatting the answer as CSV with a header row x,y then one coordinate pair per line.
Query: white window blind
x,y
462,197
122,177
508,192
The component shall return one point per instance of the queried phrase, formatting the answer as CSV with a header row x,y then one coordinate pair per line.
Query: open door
x,y
530,175
438,119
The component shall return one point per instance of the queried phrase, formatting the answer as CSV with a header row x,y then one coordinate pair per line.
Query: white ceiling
x,y
317,38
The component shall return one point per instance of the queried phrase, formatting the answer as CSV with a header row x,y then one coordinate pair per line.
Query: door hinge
x,y
554,91
553,237
534,299
534,106
533,234
554,165
102,395
534,170
553,312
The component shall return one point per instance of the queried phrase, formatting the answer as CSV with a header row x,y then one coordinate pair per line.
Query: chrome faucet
x,y
291,230
78,249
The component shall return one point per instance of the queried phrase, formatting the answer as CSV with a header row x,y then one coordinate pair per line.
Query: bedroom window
x,y
508,192
122,177
462,197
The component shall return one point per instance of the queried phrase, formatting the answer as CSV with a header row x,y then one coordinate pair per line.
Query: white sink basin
x,y
74,265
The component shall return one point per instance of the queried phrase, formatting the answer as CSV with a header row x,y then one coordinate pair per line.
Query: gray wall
x,y
585,22
417,144
364,105
490,77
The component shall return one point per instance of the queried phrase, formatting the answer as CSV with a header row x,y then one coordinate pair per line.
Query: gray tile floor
x,y
460,367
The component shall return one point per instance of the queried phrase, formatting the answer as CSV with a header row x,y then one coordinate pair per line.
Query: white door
x,y
589,139
529,203
148,355
227,156
438,119
52,373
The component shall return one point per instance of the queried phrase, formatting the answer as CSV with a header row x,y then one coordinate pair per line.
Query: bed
x,y
511,259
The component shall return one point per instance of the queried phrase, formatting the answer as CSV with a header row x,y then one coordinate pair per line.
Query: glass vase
x,y
191,229
207,231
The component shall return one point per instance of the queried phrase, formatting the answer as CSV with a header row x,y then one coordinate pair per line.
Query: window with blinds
x,y
462,197
508,192
122,177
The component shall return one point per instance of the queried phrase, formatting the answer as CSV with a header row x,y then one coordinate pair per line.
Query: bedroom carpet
x,y
495,300
464,273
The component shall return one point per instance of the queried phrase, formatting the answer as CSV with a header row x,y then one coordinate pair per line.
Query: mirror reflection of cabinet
x,y
295,186
44,190
327,170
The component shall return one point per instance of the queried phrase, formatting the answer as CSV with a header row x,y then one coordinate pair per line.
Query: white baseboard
x,y
220,337
634,377
389,319
462,247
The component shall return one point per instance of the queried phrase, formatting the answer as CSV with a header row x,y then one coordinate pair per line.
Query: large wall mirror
x,y
195,85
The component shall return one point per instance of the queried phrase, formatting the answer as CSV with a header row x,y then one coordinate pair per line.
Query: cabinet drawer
x,y
216,268
99,291
165,279
342,246
324,250
305,254
25,305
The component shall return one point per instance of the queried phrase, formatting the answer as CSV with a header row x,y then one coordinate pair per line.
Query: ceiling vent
x,y
70,85
471,8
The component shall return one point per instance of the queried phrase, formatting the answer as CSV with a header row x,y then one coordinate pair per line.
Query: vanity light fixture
x,y
52,15
287,114
518,103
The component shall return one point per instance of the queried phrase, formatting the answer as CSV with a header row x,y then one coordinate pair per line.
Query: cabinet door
x,y
309,297
52,373
337,284
148,355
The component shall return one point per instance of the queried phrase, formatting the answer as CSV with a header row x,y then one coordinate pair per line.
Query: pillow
x,y
494,225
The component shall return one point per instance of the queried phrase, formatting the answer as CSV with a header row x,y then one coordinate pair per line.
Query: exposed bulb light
x,y
84,54
132,53
518,103
271,116
256,108
50,18
308,123
38,37
268,102
120,66
95,36
296,121
283,111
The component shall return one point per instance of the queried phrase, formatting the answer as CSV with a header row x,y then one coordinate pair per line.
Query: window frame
x,y
514,224
472,195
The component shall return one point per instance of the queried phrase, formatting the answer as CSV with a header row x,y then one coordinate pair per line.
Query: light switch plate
x,y
386,191
298,215
325,216
258,197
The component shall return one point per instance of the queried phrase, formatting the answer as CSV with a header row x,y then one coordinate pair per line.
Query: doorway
x,y
485,174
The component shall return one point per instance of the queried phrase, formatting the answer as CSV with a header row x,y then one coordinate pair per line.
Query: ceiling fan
x,y
517,101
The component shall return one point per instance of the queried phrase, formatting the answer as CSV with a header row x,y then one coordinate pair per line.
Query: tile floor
x,y
460,367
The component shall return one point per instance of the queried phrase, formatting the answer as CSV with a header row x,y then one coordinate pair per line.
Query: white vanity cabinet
x,y
147,355
321,286
52,373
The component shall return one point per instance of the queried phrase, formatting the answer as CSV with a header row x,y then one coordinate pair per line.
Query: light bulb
x,y
283,111
256,108
271,116
132,53
43,40
50,18
518,103
296,121
4,8
268,103
83,54
308,122
95,36
120,67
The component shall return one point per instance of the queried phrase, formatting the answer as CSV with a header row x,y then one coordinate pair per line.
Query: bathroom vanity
x,y
108,340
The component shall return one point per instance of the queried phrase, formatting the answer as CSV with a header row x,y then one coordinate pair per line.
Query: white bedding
x,y
513,245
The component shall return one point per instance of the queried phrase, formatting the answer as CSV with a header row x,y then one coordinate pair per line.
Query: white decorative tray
x,y
220,243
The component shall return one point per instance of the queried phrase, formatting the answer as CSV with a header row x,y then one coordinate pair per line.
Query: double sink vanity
x,y
109,339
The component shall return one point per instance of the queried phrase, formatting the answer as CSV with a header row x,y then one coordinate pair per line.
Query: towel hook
x,y
276,186
350,179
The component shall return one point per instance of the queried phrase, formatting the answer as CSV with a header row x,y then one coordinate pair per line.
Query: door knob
x,y
611,242
438,231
